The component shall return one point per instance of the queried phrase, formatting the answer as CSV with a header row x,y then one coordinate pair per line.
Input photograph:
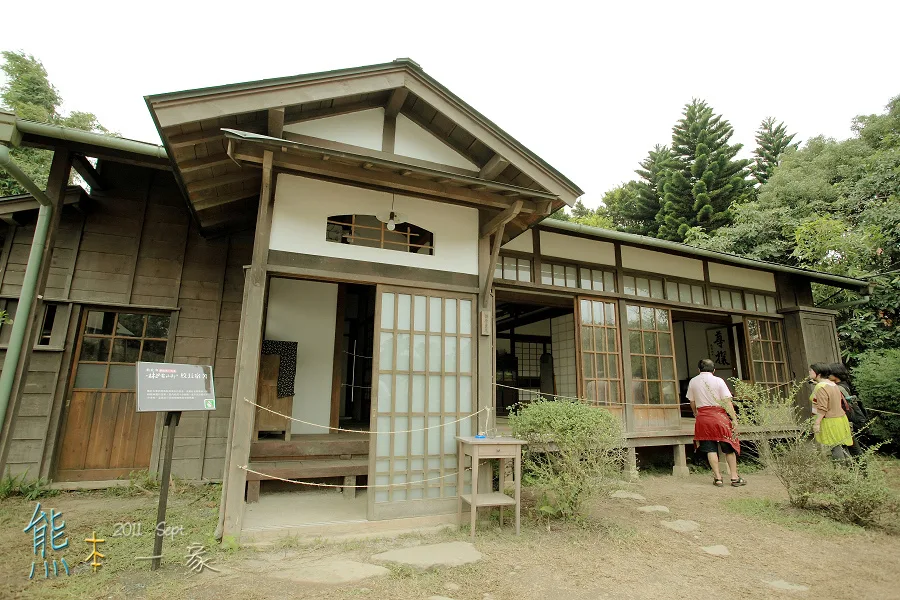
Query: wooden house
x,y
365,261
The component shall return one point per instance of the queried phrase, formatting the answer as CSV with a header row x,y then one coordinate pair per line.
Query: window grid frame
x,y
382,231
610,312
643,354
762,333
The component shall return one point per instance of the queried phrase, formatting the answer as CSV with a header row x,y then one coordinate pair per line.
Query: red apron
x,y
714,424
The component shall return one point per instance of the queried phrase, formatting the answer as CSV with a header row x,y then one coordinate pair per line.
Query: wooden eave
x,y
96,151
378,172
11,207
191,126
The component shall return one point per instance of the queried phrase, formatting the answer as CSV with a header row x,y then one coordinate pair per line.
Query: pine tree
x,y
771,142
703,178
649,191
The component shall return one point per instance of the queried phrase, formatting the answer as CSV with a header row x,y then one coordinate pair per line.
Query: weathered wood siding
x,y
134,245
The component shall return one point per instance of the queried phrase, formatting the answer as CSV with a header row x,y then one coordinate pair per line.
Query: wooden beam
x,y
501,219
389,134
338,354
214,182
195,164
88,172
247,372
379,178
492,264
213,201
11,219
183,140
493,167
395,102
276,122
319,113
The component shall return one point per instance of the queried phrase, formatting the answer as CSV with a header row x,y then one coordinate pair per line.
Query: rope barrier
x,y
248,401
358,387
359,487
540,393
885,412
356,355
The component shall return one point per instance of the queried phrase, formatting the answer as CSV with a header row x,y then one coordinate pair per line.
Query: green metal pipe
x,y
29,284
59,132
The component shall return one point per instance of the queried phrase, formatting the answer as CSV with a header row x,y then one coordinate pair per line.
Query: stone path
x,y
447,554
718,550
329,571
622,494
681,525
781,584
654,508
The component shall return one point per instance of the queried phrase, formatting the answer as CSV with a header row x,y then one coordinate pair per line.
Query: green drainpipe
x,y
29,285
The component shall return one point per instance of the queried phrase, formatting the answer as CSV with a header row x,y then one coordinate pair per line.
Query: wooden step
x,y
309,468
311,447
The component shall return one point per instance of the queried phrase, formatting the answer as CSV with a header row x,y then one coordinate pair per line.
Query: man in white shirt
x,y
711,403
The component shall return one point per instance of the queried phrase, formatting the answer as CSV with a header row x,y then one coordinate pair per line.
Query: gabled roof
x,y
190,124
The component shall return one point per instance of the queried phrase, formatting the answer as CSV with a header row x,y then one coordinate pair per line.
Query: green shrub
x,y
20,485
877,381
573,450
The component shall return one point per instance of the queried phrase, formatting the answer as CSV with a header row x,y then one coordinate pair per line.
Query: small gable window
x,y
370,232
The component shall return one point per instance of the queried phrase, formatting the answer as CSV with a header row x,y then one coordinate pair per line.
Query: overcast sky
x,y
590,88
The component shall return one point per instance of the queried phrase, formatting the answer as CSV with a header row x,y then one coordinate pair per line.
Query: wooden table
x,y
502,448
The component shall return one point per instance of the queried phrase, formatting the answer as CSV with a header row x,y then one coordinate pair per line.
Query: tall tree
x,y
705,178
771,142
29,93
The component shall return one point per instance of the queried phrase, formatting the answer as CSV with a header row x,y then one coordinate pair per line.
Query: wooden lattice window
x,y
599,340
559,275
598,280
721,298
652,355
766,352
760,302
112,343
644,287
513,269
369,232
690,293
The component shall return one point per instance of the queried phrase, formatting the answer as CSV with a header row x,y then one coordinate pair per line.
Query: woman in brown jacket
x,y
831,426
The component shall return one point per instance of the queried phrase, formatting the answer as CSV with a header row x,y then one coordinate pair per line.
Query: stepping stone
x,y
447,554
451,587
654,508
781,584
328,571
718,550
622,494
439,598
681,525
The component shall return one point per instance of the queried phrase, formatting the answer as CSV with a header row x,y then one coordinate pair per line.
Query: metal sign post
x,y
171,388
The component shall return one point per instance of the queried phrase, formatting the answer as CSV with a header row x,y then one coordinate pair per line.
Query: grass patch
x,y
192,509
796,519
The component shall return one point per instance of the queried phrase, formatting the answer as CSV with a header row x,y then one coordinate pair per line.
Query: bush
x,y
573,450
877,381
30,489
853,490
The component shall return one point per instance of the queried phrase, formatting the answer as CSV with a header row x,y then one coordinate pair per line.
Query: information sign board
x,y
163,387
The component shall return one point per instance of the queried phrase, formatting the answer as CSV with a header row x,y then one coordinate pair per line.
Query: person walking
x,y
713,410
831,427
853,406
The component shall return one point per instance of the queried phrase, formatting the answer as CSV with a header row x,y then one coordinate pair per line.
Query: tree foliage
x,y
833,206
585,216
29,93
703,178
771,142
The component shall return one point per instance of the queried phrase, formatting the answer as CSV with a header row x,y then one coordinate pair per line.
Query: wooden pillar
x,y
627,390
631,467
486,332
247,370
56,191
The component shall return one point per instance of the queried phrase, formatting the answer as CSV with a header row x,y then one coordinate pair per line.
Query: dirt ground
x,y
624,553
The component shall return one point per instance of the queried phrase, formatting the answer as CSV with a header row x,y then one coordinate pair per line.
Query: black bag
x,y
856,413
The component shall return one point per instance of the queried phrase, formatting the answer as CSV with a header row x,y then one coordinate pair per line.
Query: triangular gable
x,y
417,142
363,128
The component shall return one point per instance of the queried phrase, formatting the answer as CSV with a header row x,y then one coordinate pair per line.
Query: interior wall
x,y
691,347
303,205
564,365
305,312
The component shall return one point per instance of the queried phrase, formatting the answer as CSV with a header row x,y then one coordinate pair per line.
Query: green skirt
x,y
835,431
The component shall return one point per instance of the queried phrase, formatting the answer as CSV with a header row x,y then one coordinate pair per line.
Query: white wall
x,y
305,312
577,248
739,277
524,242
302,206
363,128
411,140
659,262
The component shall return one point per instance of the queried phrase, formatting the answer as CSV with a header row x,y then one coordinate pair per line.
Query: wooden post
x,y
56,192
172,419
485,340
247,371
680,469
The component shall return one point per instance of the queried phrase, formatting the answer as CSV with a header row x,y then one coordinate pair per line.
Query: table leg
x,y
502,485
460,481
518,476
474,504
